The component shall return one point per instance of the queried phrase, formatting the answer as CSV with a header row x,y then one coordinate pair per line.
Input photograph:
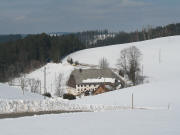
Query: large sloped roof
x,y
84,74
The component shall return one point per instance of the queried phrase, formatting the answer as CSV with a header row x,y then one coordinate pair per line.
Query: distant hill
x,y
58,33
33,51
8,38
15,37
98,38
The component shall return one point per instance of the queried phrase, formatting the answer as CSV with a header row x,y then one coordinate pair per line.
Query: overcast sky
x,y
37,16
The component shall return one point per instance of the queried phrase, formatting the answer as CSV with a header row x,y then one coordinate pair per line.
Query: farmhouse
x,y
89,80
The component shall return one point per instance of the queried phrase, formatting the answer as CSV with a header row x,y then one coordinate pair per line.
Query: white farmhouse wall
x,y
72,91
86,87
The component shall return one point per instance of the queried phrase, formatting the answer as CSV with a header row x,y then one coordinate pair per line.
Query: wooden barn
x,y
103,88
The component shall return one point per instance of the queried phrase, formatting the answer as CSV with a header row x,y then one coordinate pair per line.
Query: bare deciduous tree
x,y
129,62
34,85
103,63
23,83
58,85
123,60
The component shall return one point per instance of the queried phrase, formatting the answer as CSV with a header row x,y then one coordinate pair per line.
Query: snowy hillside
x,y
160,56
7,92
159,61
52,72
161,64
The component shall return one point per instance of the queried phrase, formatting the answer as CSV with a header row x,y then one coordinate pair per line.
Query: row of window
x,y
85,85
81,90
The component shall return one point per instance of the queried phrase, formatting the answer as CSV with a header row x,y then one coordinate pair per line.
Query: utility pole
x,y
168,106
142,74
132,101
40,86
45,80
51,86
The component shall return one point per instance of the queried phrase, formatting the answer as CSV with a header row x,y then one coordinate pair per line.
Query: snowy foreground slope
x,y
125,122
159,97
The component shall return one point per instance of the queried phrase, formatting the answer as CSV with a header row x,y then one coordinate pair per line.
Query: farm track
x,y
25,114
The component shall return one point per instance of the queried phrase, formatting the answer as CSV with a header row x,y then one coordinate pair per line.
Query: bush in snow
x,y
70,60
47,94
76,63
69,96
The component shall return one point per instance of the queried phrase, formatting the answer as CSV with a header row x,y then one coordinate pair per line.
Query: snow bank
x,y
57,104
19,106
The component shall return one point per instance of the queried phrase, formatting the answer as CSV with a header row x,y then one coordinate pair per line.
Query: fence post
x,y
168,106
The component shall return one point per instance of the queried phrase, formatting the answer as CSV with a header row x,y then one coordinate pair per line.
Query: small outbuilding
x,y
103,88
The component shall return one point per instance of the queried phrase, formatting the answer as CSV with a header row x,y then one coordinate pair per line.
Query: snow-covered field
x,y
161,64
125,122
